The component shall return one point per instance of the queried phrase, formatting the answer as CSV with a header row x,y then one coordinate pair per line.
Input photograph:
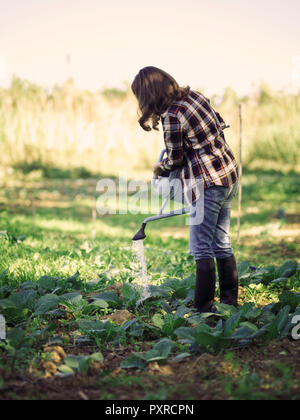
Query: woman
x,y
195,144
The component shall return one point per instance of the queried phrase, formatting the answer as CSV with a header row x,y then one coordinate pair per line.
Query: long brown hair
x,y
155,91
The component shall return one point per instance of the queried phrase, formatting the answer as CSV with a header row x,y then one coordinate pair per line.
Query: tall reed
x,y
68,128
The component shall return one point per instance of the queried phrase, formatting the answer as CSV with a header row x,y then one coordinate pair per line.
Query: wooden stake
x,y
33,209
240,180
94,218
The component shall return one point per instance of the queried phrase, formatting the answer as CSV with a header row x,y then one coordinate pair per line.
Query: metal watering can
x,y
162,185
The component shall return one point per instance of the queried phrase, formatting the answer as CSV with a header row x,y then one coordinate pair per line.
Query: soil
x,y
201,377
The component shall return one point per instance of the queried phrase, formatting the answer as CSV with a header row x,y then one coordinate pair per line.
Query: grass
x,y
47,210
48,229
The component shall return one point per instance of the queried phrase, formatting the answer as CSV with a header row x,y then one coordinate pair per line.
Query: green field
x,y
74,330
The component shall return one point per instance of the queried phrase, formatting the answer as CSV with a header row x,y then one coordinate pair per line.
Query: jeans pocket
x,y
235,189
217,193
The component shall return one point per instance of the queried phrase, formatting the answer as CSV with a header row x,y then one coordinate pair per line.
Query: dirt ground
x,y
204,377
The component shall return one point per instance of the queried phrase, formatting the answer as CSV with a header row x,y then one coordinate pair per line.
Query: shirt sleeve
x,y
221,121
173,137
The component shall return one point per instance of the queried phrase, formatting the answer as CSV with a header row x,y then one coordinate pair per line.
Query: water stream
x,y
138,248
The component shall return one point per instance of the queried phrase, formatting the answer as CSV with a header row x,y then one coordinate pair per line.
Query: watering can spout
x,y
140,235
163,188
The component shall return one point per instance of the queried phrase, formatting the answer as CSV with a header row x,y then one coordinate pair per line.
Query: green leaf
x,y
267,332
249,311
181,293
15,337
46,304
100,303
182,311
66,370
243,269
232,323
266,317
264,275
16,315
47,284
159,291
73,279
81,364
164,347
73,361
269,274
161,351
251,327
97,357
73,299
208,338
135,361
189,297
280,280
171,324
7,304
225,311
287,298
28,285
131,294
288,269
282,318
180,357
189,282
171,284
158,321
110,297
84,365
24,299
246,330
4,291
4,274
186,335
134,327
92,326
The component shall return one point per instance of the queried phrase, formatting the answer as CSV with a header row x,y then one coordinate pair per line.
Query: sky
x,y
205,44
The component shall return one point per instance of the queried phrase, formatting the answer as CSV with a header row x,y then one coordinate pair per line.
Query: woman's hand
x,y
157,170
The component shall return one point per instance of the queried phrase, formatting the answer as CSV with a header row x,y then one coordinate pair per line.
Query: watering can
x,y
168,190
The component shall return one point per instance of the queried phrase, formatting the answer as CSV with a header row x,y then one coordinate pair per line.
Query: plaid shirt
x,y
195,143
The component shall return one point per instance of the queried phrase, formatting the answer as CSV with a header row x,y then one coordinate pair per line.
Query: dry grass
x,y
68,128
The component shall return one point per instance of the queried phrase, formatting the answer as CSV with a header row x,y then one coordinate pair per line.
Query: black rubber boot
x,y
228,280
205,285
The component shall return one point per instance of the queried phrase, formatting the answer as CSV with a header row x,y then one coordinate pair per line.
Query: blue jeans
x,y
210,239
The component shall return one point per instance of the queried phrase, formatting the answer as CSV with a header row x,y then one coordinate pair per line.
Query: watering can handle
x,y
161,156
160,159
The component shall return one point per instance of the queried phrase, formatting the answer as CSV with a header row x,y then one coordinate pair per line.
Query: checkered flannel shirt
x,y
195,144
